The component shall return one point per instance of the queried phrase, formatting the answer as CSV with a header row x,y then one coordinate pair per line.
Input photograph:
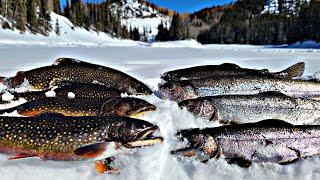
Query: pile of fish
x,y
264,115
95,124
76,111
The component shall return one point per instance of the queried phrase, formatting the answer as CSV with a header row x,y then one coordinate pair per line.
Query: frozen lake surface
x,y
147,63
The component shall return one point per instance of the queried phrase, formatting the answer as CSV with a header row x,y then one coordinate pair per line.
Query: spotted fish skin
x,y
80,90
78,71
253,108
183,90
126,106
56,138
266,141
227,69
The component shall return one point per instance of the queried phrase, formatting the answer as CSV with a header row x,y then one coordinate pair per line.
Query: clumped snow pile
x,y
147,63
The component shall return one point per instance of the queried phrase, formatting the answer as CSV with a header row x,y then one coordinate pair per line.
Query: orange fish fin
x,y
102,167
22,156
91,151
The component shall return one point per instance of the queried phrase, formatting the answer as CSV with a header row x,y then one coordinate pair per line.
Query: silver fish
x,y
183,90
253,108
267,141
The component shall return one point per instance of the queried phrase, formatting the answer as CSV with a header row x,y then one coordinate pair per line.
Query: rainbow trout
x,y
80,90
126,106
63,138
253,108
227,69
184,90
77,71
267,141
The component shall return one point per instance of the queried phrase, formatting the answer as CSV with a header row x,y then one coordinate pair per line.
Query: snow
x,y
69,36
137,15
147,63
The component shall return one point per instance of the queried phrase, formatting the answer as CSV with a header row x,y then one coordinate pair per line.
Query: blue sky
x,y
182,5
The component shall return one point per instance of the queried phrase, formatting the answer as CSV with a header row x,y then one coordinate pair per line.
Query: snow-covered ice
x,y
147,63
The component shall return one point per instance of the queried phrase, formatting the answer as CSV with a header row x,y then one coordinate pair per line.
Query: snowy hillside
x,y
69,36
138,15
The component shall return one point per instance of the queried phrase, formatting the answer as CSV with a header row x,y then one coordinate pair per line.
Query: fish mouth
x,y
146,138
139,111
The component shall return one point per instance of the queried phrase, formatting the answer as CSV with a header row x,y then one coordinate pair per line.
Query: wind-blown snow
x,y
147,63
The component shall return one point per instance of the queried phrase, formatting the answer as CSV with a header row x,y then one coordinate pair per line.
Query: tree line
x,y
34,15
31,14
245,22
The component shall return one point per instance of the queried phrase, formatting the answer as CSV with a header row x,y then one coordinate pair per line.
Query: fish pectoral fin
x,y
92,150
22,156
102,167
240,161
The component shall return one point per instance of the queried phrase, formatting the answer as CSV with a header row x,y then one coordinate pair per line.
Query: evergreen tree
x,y
163,33
135,34
57,27
176,28
20,16
31,16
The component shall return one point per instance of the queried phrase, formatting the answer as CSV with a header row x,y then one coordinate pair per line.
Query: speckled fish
x,y
183,90
253,108
267,141
63,138
78,71
80,90
227,69
126,106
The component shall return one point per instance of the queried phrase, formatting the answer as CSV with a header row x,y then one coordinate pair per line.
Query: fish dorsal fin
x,y
230,66
66,61
273,93
295,70
273,123
19,73
50,114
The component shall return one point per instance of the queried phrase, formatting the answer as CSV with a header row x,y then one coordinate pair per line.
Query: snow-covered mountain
x,y
139,14
272,6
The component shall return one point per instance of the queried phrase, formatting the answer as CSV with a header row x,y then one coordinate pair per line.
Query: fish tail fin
x,y
295,70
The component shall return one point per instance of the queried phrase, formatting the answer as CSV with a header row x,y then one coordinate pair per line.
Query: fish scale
x,y
266,141
227,69
56,138
77,71
253,108
126,106
183,90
